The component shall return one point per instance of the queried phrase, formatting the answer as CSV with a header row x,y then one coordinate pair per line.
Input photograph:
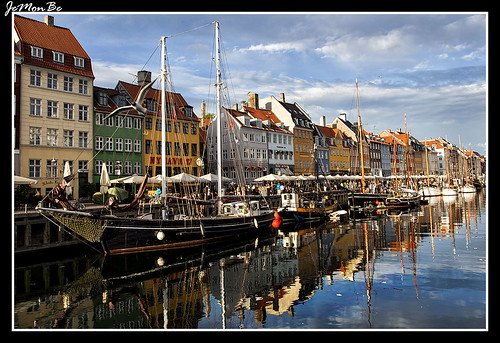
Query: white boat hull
x,y
449,192
468,189
429,192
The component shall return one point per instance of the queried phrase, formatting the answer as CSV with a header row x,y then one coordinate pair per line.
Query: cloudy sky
x,y
431,66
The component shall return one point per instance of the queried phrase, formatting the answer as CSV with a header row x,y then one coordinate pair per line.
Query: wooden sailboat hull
x,y
119,235
146,235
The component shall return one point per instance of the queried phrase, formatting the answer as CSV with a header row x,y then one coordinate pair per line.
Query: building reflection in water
x,y
237,288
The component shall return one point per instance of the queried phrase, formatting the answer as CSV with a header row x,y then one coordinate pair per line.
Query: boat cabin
x,y
290,200
241,208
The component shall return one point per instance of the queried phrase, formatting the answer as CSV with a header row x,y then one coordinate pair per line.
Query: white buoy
x,y
160,235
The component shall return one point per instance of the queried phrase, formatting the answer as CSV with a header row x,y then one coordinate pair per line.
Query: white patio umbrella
x,y
20,180
137,179
269,177
67,172
185,178
214,178
104,181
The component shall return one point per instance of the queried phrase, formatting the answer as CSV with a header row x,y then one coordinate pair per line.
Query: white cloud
x,y
388,46
276,47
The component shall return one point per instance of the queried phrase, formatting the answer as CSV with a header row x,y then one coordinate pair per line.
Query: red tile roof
x,y
50,38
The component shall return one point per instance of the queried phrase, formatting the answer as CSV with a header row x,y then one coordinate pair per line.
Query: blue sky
x,y
432,66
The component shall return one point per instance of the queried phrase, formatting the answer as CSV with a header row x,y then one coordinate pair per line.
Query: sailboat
x,y
448,189
428,191
404,197
118,234
364,200
467,188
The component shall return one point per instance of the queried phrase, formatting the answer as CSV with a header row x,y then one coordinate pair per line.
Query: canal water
x,y
423,269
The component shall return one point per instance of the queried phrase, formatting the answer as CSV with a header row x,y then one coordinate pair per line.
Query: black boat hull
x,y
126,235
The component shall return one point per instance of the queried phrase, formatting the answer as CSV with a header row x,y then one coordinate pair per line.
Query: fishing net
x,y
89,228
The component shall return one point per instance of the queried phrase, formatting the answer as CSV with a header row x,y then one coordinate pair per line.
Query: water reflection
x,y
424,268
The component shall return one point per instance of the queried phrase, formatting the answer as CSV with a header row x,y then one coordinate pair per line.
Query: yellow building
x,y
182,136
54,102
339,150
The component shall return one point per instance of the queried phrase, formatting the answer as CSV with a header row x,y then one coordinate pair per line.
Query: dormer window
x,y
36,52
79,62
103,98
58,57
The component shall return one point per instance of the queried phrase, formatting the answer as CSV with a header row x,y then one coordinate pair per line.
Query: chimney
x,y
143,77
235,107
322,121
343,116
282,97
49,20
253,100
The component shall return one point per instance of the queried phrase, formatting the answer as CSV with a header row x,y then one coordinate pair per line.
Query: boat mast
x,y
406,153
163,132
219,119
360,142
427,164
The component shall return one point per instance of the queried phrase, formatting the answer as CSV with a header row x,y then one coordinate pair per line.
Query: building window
x,y
68,84
83,87
83,113
35,107
137,123
185,128
83,165
34,168
137,168
35,135
128,145
118,144
52,137
137,145
99,143
51,81
109,143
58,57
194,149
79,62
185,148
127,122
102,98
127,169
68,111
177,149
35,78
36,52
83,139
148,146
51,109
98,166
149,123
51,168
68,138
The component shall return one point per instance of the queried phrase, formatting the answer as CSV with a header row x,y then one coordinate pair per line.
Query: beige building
x,y
54,116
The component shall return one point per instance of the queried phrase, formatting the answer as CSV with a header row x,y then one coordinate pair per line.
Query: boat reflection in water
x,y
423,268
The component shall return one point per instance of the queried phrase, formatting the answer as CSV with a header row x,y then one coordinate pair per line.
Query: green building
x,y
117,140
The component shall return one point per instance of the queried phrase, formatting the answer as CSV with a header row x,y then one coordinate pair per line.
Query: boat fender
x,y
160,235
255,223
277,220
